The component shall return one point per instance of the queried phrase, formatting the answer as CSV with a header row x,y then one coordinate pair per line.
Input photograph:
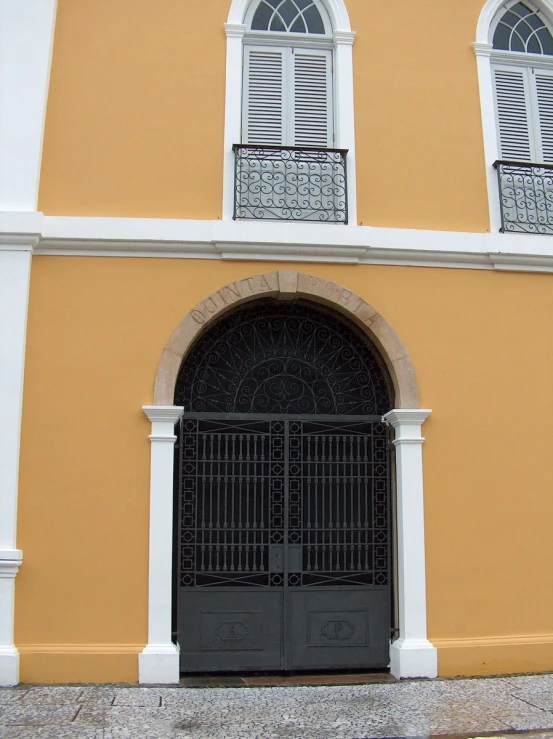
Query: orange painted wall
x,y
134,123
97,327
417,112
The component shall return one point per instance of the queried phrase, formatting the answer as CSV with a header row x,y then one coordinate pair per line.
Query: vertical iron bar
x,y
345,161
285,595
236,155
351,483
500,189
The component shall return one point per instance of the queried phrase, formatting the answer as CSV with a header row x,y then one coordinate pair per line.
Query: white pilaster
x,y
411,655
233,111
15,270
26,39
489,131
10,559
345,115
159,661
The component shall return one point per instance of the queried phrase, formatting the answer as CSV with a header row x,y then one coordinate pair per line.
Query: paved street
x,y
408,709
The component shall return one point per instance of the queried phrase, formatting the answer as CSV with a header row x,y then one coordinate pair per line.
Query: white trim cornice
x,y
18,242
290,242
482,49
410,416
235,30
344,37
163,413
520,60
10,562
20,230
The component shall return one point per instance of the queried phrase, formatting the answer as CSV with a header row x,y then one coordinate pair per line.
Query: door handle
x,y
276,558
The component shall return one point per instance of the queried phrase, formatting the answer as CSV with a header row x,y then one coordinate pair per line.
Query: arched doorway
x,y
283,493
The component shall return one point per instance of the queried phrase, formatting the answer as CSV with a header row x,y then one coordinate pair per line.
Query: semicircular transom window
x,y
288,16
283,358
522,29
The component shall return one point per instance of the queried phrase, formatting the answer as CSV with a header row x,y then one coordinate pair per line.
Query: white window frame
x,y
486,56
344,125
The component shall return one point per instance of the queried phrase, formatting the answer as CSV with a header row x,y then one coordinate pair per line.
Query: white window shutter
x,y
264,106
544,104
513,110
312,97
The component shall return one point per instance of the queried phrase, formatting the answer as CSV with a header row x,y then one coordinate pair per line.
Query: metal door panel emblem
x,y
231,631
337,629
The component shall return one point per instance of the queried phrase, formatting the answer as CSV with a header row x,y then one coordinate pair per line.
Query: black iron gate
x,y
283,542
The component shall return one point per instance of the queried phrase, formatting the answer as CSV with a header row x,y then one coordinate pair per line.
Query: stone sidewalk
x,y
463,707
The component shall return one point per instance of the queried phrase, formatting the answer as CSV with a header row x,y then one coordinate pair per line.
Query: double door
x,y
283,538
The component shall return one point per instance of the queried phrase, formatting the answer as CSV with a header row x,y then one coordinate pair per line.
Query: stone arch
x,y
336,9
286,285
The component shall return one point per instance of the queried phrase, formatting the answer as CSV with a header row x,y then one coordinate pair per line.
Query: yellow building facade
x,y
179,176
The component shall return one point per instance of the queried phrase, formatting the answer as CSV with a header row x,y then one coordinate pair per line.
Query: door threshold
x,y
284,680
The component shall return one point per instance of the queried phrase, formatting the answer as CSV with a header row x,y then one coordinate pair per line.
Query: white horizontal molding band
x,y
297,242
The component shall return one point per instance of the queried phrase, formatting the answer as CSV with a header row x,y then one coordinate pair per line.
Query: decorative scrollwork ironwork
x,y
526,196
252,488
290,183
270,357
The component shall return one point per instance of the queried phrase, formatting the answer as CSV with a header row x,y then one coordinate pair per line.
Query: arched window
x,y
289,119
521,28
294,16
522,72
288,64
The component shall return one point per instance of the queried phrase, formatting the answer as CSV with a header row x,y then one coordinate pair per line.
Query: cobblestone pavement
x,y
467,707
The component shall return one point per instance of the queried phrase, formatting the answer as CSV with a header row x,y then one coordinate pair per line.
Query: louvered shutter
x,y
544,113
513,110
264,105
311,97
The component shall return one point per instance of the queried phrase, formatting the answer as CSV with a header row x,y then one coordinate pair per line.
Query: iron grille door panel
x,y
338,492
283,544
339,516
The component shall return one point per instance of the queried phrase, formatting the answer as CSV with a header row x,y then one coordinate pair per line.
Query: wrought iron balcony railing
x,y
290,183
526,197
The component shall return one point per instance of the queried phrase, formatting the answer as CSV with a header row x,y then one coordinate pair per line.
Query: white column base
x,y
159,664
413,658
10,561
9,666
